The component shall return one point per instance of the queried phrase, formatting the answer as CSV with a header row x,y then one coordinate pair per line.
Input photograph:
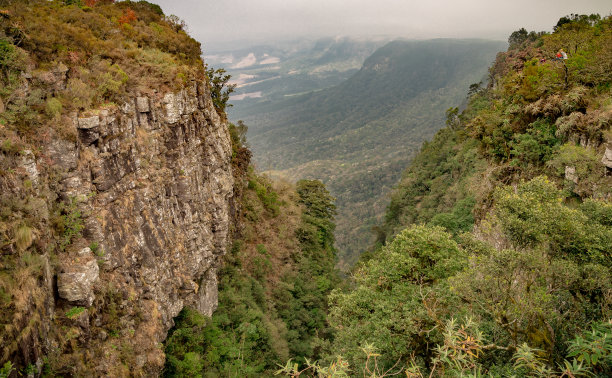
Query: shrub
x,y
111,82
79,94
12,60
539,80
53,107
74,312
6,370
594,348
588,168
127,17
535,216
537,145
267,196
398,293
460,219
68,223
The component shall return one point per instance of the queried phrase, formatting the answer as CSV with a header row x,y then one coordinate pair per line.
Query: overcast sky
x,y
219,23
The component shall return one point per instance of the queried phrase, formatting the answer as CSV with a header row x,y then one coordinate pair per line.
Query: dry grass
x,y
24,236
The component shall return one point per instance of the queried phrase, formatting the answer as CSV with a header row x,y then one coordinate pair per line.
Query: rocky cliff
x,y
148,184
116,186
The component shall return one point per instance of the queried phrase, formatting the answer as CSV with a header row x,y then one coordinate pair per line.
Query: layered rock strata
x,y
150,183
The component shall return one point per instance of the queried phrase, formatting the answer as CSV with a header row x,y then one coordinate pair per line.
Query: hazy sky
x,y
216,23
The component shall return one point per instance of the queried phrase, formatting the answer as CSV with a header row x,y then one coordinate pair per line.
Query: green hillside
x,y
358,136
498,237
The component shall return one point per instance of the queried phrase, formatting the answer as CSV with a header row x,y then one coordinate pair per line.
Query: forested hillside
x,y
359,135
497,242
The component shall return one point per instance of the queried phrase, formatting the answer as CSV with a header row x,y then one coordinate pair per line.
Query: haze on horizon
x,y
221,25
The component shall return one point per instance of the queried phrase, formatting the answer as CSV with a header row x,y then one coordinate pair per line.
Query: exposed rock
x,y
173,110
73,187
28,162
208,294
570,174
56,78
161,169
1,106
89,122
63,153
60,76
76,278
607,158
142,104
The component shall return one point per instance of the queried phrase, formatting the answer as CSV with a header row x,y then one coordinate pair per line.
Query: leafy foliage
x,y
400,295
7,369
220,90
594,348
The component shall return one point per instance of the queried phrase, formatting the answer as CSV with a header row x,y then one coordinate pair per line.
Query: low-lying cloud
x,y
216,22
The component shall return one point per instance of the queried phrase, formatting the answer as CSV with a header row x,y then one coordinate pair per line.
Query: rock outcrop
x,y
75,280
607,158
570,174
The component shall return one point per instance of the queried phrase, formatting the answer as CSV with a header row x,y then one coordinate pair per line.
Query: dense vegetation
x,y
273,286
104,49
497,258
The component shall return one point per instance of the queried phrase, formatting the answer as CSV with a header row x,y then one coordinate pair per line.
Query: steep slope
x,y
358,135
497,259
535,118
116,186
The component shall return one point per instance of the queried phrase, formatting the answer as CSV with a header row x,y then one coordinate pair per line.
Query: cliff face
x,y
160,171
150,183
116,186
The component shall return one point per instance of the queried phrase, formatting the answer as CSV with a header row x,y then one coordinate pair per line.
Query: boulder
x,y
570,174
89,129
607,158
89,122
77,277
142,104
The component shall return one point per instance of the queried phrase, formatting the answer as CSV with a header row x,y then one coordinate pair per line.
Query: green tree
x,y
577,21
517,37
401,298
220,90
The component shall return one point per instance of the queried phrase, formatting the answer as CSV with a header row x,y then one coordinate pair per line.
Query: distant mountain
x,y
358,135
280,70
